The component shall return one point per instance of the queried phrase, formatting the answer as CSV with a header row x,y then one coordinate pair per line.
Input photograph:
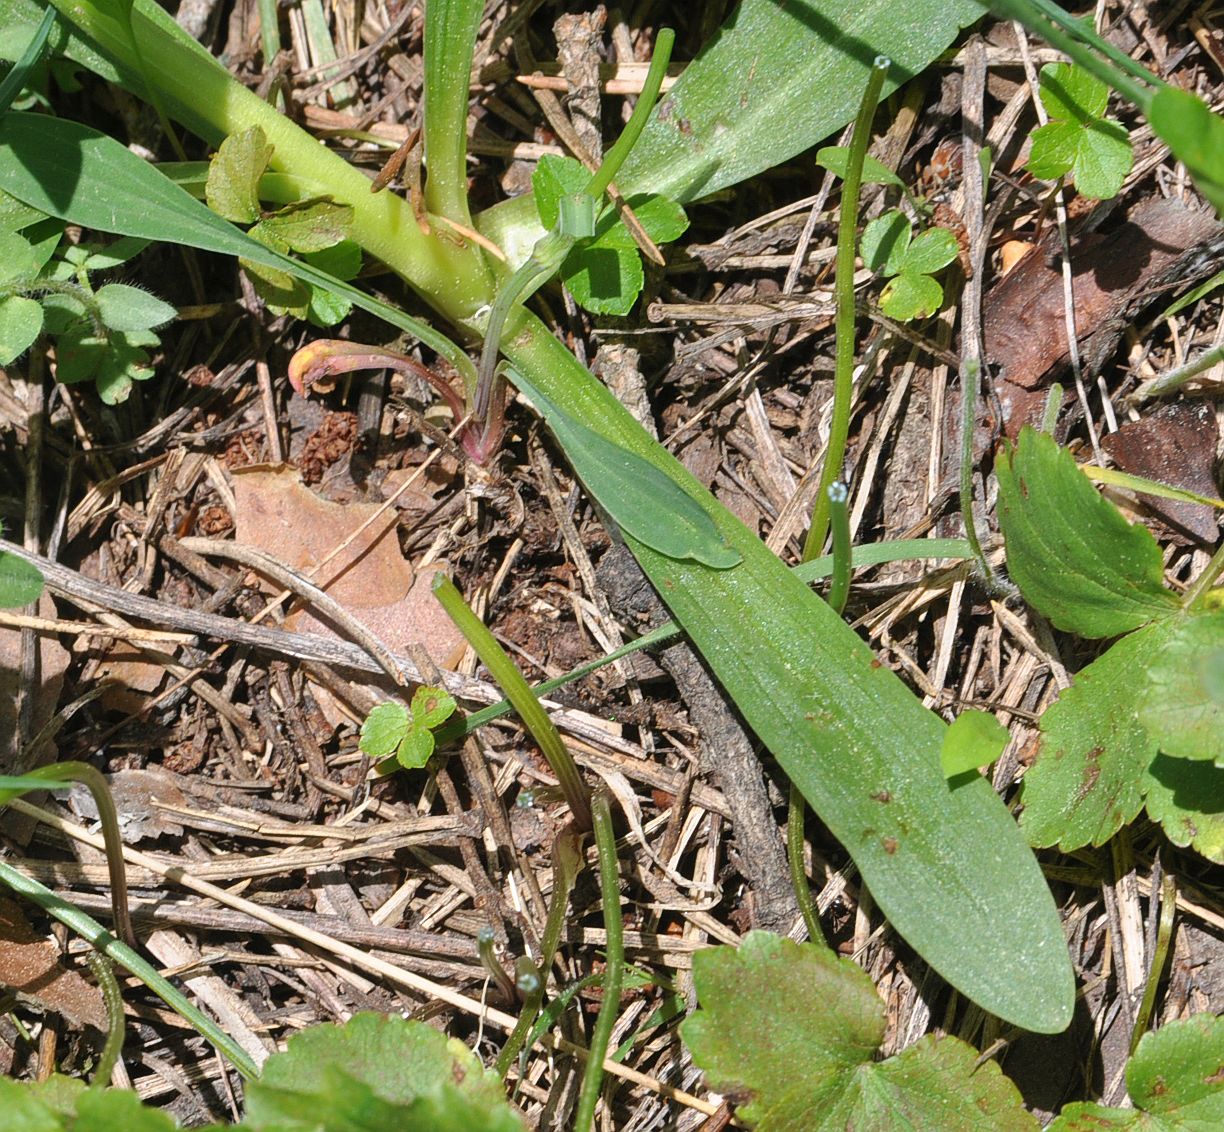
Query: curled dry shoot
x,y
462,711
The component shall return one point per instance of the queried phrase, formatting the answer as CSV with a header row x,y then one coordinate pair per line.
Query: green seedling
x,y
317,229
1140,726
909,263
407,733
1079,141
101,333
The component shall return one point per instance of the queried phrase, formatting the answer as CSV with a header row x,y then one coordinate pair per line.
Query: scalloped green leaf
x,y
911,295
232,189
1086,782
432,707
930,251
792,1032
311,225
122,364
415,750
885,241
1187,799
384,729
1182,705
1175,1082
377,1072
1071,93
1075,558
127,308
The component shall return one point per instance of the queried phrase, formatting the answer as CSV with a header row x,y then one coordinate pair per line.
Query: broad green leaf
x,y
432,707
119,1110
663,220
1071,93
974,739
930,251
910,295
127,308
604,278
1174,1082
947,865
1182,703
875,172
121,365
384,729
644,501
21,321
797,1030
16,215
1073,555
1087,781
20,583
415,751
342,260
1195,135
78,354
777,79
232,190
1187,799
375,1073
113,255
62,1104
311,225
885,241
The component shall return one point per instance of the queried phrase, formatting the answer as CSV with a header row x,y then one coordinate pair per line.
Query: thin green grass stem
x,y
20,71
104,972
1173,380
89,929
796,810
839,521
61,775
1053,405
567,864
1205,580
1164,937
843,287
614,960
971,374
519,693
492,965
269,32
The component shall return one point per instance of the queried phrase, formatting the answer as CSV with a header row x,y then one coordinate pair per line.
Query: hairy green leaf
x,y
1086,783
127,308
1073,555
797,1030
1174,1082
1182,705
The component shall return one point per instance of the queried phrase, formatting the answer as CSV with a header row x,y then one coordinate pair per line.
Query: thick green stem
x,y
614,964
519,693
843,373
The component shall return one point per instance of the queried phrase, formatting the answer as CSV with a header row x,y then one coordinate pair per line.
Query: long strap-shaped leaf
x,y
948,866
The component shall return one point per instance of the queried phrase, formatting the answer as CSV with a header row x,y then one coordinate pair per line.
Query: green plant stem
x,y
843,286
269,32
796,810
567,864
1164,937
61,774
492,965
1049,415
614,960
104,972
615,157
1205,580
1086,48
519,693
449,40
839,521
1173,380
89,929
971,373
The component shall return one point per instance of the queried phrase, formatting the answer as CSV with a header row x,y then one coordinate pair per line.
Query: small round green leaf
x,y
129,308
1187,799
432,707
974,739
78,354
310,225
1071,93
21,320
911,295
930,251
384,730
885,241
414,751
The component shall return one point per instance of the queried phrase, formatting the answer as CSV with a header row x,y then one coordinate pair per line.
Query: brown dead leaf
x,y
29,965
135,794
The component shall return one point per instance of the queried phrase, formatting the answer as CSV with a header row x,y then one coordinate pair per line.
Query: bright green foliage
x,y
376,1073
604,273
1195,135
1183,705
312,228
102,334
1079,140
20,583
797,1030
875,172
408,733
1125,732
1070,551
890,248
62,1104
974,739
1174,1081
